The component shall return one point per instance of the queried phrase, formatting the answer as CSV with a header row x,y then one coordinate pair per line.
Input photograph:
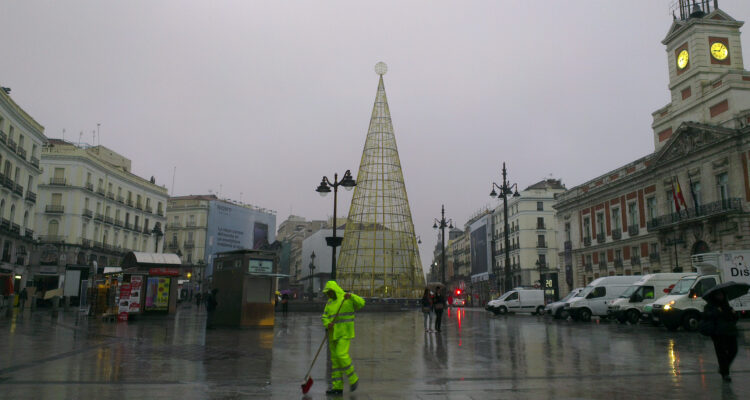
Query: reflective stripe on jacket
x,y
343,327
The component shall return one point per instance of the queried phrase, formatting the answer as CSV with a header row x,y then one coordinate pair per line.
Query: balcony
x,y
633,230
86,243
189,244
52,239
120,199
99,217
87,213
12,144
149,209
8,183
129,203
688,215
635,260
600,238
3,137
128,226
118,223
97,245
101,191
617,234
540,226
57,181
18,189
139,206
587,241
21,152
602,264
588,268
110,195
15,228
146,231
31,196
4,224
54,209
172,246
109,220
541,245
34,161
190,224
136,227
174,225
654,257
29,233
618,263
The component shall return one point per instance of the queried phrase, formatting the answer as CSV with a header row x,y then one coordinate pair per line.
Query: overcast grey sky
x,y
265,97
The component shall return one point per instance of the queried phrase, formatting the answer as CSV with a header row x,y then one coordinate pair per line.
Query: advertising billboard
x,y
479,250
234,227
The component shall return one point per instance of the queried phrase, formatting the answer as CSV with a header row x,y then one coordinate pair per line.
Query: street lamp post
x,y
441,224
157,234
542,282
505,190
323,189
312,272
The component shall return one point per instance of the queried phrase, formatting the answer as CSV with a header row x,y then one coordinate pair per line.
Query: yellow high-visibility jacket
x,y
343,327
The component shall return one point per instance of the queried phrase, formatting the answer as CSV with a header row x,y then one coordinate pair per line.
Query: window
x,y
651,208
602,258
654,248
599,291
53,228
632,214
145,225
670,202
159,207
600,223
618,254
588,259
616,218
98,207
191,221
587,228
540,206
542,260
88,177
108,209
84,230
540,241
127,218
722,182
513,296
190,236
635,252
540,223
59,173
25,220
56,199
695,190
704,285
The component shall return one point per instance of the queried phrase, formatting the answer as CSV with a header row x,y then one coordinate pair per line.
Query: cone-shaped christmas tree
x,y
379,255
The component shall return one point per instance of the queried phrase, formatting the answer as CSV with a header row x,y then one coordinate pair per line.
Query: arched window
x,y
53,228
25,220
12,213
2,208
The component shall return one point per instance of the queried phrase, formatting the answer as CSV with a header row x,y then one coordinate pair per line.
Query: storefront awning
x,y
138,259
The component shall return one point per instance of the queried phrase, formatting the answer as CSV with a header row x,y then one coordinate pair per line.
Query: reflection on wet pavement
x,y
476,356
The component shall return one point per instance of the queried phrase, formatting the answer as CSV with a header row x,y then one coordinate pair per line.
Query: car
x,y
459,302
557,309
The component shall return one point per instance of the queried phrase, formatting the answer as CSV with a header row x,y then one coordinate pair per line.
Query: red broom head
x,y
307,385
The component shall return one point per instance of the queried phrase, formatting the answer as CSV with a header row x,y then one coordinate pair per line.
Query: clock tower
x,y
707,78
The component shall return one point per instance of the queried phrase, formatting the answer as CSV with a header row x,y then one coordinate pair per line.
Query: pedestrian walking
x,y
211,303
338,318
427,310
284,304
198,298
723,321
22,297
439,305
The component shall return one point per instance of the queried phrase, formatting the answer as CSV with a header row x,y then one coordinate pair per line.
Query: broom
x,y
308,381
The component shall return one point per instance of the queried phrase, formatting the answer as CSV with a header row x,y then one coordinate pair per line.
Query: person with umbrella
x,y
720,322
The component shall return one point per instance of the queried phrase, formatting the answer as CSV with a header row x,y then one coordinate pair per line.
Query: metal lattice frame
x,y
379,255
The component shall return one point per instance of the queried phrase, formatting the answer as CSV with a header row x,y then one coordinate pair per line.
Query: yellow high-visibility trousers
x,y
341,363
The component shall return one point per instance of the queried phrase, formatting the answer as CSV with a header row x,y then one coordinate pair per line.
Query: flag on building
x,y
674,198
679,195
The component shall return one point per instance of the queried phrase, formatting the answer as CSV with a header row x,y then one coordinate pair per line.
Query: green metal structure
x,y
379,255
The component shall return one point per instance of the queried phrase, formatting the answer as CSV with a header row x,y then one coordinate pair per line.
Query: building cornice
x,y
19,115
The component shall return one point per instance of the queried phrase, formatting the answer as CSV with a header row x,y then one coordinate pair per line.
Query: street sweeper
x,y
338,318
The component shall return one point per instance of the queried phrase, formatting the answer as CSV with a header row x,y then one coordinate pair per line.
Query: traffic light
x,y
458,292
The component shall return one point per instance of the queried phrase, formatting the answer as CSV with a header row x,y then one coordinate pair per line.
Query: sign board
x,y
124,302
157,294
136,283
72,283
260,266
164,271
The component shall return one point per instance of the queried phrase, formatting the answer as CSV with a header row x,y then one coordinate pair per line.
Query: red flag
x,y
679,194
674,197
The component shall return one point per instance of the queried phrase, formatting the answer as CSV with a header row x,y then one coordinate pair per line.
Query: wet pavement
x,y
477,356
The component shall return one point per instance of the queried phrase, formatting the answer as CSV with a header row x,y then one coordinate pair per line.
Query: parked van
x,y
556,309
518,300
629,306
594,298
684,305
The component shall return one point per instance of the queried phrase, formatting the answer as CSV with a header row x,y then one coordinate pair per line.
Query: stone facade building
x,y
692,194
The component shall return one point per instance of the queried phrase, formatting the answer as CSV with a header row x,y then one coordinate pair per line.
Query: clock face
x,y
682,59
719,51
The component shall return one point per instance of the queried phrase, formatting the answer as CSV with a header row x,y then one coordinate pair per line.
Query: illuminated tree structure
x,y
379,255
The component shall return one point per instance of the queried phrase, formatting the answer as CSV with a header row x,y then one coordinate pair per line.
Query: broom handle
x,y
323,342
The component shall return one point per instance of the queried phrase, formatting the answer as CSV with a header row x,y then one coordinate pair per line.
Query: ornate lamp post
x,y
323,189
312,271
442,224
157,234
505,190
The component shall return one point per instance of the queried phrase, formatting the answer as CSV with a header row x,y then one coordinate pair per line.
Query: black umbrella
x,y
732,290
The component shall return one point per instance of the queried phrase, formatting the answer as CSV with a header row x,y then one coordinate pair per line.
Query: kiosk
x,y
246,283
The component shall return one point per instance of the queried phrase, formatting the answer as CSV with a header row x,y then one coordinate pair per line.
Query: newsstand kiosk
x,y
149,284
246,283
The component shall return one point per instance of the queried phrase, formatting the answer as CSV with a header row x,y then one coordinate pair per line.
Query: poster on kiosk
x,y
136,283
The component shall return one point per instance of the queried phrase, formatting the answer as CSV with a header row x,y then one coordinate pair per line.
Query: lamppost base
x,y
334,241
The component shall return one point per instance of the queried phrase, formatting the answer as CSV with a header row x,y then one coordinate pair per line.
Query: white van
x,y
594,298
518,300
684,305
629,306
